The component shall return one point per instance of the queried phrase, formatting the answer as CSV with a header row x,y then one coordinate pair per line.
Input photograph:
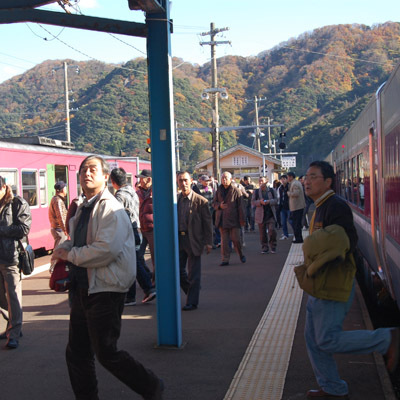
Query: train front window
x,y
29,187
11,177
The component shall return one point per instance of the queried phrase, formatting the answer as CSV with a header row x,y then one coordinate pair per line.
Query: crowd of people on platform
x,y
103,238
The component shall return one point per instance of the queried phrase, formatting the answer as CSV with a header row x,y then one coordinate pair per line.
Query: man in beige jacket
x,y
296,205
102,263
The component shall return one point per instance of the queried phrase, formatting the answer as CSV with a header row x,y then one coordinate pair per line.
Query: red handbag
x,y
59,279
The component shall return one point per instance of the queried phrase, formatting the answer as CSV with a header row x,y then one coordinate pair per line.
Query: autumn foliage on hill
x,y
315,84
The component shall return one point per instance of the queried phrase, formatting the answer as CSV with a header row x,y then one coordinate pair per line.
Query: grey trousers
x,y
11,299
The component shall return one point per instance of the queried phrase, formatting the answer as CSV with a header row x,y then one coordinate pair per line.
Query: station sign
x,y
113,164
289,162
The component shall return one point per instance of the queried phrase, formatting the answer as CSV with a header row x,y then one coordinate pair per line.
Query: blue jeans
x,y
284,220
143,277
325,337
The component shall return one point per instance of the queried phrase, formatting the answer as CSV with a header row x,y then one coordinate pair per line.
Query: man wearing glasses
x,y
324,318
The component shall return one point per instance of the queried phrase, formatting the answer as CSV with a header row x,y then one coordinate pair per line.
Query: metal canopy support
x,y
164,181
25,3
157,30
74,21
150,6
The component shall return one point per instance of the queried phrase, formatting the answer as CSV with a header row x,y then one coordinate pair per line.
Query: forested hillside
x,y
315,85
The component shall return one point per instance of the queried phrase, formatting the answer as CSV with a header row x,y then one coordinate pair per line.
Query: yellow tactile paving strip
x,y
261,374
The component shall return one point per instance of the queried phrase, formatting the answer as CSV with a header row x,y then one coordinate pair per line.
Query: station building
x,y
240,161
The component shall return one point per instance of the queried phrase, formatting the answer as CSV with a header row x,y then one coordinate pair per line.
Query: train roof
x,y
55,150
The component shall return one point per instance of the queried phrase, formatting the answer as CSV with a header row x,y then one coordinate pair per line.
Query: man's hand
x,y
60,254
223,206
208,248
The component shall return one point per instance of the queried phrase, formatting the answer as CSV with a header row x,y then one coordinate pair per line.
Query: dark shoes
x,y
320,394
297,241
157,395
12,344
189,307
130,302
224,263
149,297
243,259
392,355
3,336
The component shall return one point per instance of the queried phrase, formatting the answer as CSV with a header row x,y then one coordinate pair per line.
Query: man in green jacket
x,y
324,318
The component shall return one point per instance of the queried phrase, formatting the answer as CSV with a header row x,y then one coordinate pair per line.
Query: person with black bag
x,y
15,223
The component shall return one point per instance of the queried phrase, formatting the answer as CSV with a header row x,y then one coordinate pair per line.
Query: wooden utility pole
x,y
214,93
257,138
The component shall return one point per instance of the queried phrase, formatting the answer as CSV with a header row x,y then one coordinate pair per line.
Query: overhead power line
x,y
337,56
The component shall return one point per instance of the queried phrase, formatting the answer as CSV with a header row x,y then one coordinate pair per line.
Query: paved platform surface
x,y
235,304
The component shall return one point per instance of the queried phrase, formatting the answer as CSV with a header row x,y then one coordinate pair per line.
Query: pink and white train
x,y
32,171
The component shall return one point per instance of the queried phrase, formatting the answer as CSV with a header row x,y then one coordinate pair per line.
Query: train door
x,y
56,173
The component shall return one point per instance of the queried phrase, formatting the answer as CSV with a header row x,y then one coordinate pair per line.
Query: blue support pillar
x,y
164,181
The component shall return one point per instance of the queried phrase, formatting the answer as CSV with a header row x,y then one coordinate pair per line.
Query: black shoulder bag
x,y
26,258
26,255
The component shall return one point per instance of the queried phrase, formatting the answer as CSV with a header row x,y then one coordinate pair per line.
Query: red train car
x,y
32,171
367,163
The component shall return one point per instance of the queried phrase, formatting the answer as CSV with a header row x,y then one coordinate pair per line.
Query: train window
x,y
360,176
347,178
78,184
29,187
129,179
43,187
110,186
11,177
354,180
341,180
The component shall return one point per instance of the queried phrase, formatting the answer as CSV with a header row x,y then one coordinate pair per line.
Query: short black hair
x,y
292,174
184,172
118,176
104,164
246,178
283,176
326,171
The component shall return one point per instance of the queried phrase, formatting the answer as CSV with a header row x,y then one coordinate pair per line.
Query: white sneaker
x,y
283,237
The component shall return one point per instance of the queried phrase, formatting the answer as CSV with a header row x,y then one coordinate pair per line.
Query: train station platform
x,y
245,341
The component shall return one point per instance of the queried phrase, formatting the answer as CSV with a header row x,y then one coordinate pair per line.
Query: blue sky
x,y
254,26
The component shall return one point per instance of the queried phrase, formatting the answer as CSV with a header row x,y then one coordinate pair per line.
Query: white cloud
x,y
88,4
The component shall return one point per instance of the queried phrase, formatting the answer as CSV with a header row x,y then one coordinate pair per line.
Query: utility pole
x,y
214,93
257,139
177,145
66,91
67,123
269,136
